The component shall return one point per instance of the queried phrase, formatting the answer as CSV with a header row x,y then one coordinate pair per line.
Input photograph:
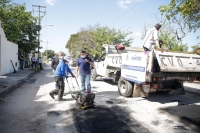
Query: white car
x,y
73,62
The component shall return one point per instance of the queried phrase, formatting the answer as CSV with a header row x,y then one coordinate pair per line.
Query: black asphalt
x,y
106,119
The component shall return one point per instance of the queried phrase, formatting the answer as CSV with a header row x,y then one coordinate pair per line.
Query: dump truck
x,y
139,74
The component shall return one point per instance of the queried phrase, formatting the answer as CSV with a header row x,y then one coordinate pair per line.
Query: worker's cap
x,y
158,26
66,58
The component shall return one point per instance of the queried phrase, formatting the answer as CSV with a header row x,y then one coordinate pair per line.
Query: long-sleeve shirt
x,y
61,70
151,38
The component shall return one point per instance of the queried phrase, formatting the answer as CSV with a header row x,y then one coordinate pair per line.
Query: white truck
x,y
138,74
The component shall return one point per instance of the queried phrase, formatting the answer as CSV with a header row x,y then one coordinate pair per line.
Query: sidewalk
x,y
193,88
11,81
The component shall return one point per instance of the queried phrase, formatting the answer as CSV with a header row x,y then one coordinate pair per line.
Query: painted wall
x,y
8,51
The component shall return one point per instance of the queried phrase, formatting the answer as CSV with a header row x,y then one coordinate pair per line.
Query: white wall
x,y
8,51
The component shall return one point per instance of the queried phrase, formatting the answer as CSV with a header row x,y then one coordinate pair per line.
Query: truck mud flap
x,y
138,92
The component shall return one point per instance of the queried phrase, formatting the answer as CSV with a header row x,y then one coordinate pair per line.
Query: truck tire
x,y
125,88
93,75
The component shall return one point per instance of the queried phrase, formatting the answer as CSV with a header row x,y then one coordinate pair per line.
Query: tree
x,y
19,25
171,43
50,53
187,10
196,49
92,38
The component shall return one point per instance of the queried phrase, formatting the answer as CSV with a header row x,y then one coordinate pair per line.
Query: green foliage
x,y
171,43
91,39
50,53
19,25
196,49
188,10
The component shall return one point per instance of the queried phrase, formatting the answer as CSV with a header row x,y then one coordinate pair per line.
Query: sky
x,y
68,16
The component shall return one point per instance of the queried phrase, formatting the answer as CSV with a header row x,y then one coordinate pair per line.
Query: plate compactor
x,y
83,98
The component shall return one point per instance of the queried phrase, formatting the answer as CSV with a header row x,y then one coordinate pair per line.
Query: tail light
x,y
157,79
155,86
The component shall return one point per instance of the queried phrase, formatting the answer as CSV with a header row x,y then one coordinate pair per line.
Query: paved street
x,y
29,109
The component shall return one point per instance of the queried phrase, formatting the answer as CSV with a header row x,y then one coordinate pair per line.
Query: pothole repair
x,y
53,113
109,102
180,128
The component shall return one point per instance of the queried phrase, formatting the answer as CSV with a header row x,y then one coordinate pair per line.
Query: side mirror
x,y
97,60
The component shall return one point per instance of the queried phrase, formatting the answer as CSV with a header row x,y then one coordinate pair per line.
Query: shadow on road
x,y
109,81
187,114
167,98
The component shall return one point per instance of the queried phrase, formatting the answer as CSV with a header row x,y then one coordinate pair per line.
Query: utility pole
x,y
39,22
46,50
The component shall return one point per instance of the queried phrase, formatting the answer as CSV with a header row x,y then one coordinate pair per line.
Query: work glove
x,y
73,75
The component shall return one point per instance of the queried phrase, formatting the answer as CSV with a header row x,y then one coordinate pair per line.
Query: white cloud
x,y
124,3
51,2
138,34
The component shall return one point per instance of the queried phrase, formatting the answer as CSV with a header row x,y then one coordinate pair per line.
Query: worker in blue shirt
x,y
59,76
84,71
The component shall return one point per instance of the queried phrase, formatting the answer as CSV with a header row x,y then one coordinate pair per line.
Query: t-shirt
x,y
34,59
151,37
21,58
84,67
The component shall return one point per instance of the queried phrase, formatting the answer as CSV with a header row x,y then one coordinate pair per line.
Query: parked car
x,y
50,59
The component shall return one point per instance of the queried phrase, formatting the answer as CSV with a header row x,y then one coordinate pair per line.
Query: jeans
x,y
40,66
85,79
33,63
22,64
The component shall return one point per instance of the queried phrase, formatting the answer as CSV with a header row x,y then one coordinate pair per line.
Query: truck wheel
x,y
125,88
93,74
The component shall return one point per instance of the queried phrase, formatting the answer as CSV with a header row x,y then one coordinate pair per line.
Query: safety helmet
x,y
66,59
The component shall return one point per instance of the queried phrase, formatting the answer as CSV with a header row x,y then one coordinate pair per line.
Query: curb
x,y
191,88
193,91
15,85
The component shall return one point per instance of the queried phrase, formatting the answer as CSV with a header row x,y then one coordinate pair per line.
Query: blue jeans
x,y
33,63
22,64
85,79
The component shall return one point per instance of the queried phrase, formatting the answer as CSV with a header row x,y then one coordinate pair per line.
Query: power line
x,y
126,12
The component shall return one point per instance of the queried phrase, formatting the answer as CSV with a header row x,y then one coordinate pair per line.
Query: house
x,y
8,53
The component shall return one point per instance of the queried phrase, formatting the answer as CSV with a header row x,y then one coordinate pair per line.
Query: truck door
x,y
101,67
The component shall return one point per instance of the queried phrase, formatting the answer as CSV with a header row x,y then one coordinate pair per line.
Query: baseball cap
x,y
66,58
158,26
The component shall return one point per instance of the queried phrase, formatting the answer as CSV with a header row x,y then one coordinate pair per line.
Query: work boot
x,y
52,95
61,99
88,91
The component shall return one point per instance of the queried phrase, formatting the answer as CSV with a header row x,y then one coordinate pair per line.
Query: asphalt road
x,y
30,109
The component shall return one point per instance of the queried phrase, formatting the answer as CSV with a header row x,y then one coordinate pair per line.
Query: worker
x,y
151,39
59,76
